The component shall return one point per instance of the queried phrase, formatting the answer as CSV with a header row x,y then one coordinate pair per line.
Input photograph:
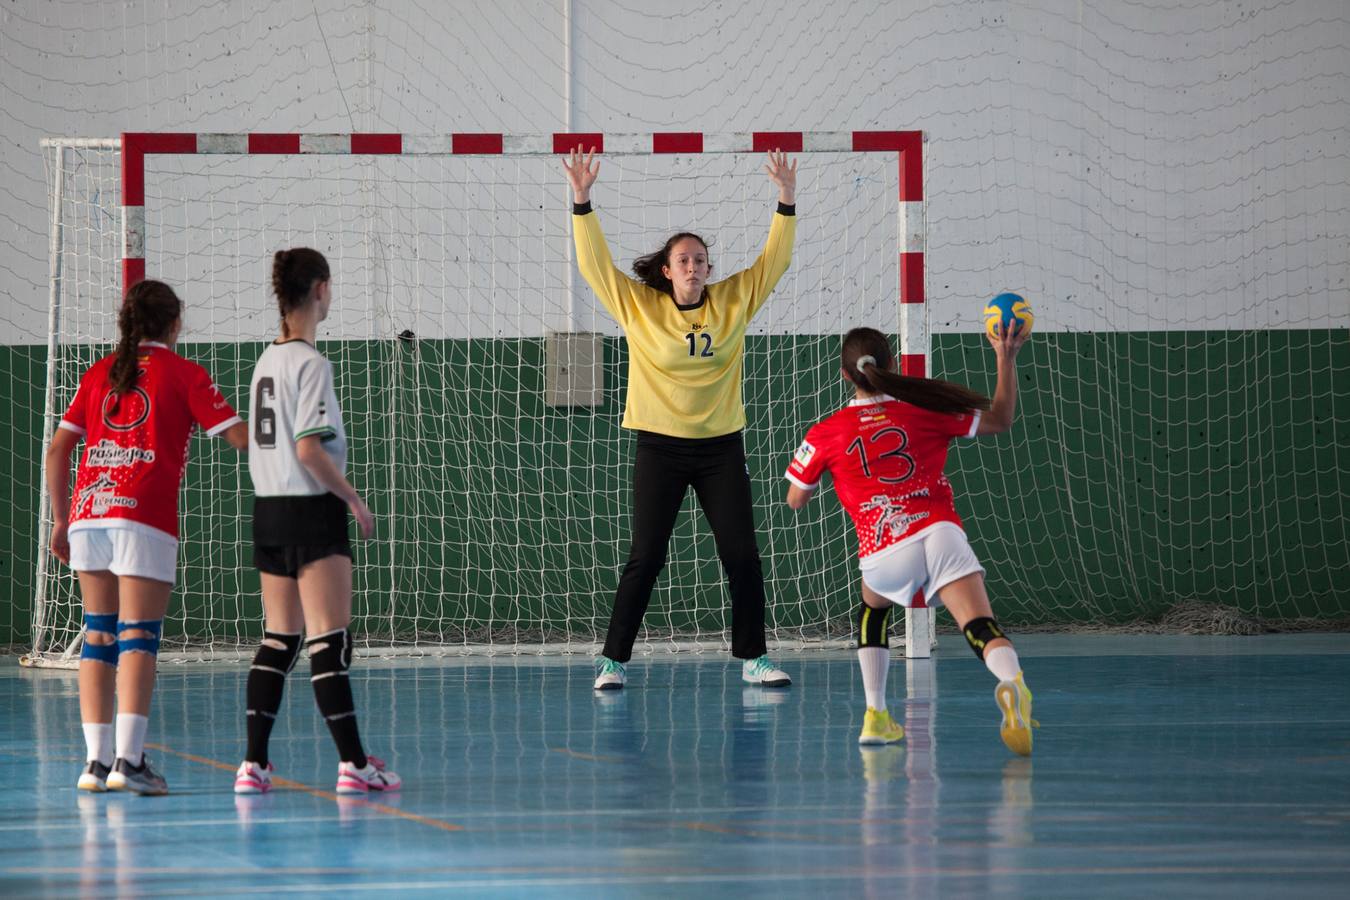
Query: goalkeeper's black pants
x,y
663,471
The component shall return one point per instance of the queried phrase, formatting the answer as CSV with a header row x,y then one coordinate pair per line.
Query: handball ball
x,y
1008,310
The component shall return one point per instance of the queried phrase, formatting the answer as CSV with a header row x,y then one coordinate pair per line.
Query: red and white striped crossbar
x,y
907,144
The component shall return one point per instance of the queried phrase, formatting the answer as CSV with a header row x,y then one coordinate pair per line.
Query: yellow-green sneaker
x,y
880,728
1014,700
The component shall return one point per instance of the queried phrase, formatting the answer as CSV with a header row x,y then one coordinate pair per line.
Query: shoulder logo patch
x,y
804,454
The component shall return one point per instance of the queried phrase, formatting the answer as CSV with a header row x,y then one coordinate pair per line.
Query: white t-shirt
x,y
291,396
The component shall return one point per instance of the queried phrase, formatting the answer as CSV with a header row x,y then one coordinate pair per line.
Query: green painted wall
x,y
1145,468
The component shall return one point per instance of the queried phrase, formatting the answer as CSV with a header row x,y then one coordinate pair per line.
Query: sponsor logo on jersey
x,y
804,454
103,492
111,456
892,517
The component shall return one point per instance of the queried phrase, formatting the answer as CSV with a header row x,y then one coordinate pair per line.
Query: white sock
x,y
98,742
131,737
874,662
1002,661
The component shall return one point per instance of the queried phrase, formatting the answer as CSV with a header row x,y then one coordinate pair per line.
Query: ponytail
x,y
148,314
866,359
294,273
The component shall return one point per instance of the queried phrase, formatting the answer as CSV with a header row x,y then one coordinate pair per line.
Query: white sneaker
x,y
611,676
374,777
253,778
763,672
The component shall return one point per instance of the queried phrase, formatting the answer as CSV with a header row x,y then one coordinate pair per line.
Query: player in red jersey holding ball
x,y
886,451
136,410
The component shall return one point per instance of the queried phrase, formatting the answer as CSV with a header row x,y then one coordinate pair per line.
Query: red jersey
x,y
135,446
886,457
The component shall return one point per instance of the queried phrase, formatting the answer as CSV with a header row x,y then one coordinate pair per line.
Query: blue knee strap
x,y
144,644
100,624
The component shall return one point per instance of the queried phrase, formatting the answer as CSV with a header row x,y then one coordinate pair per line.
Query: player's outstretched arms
x,y
582,170
1003,408
58,489
312,456
784,174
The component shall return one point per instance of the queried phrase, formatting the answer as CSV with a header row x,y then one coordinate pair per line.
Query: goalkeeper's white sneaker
x,y
374,777
763,672
611,675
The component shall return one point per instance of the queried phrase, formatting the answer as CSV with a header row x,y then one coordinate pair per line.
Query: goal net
x,y
481,382
1176,463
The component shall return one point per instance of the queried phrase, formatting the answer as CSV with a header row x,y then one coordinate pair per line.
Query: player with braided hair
x,y
135,410
886,451
297,458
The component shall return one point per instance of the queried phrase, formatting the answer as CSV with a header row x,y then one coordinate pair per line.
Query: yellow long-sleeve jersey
x,y
684,365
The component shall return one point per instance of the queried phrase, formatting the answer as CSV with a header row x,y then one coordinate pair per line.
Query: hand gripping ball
x,y
1008,310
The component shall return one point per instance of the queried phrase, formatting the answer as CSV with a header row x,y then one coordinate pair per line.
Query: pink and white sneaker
x,y
253,778
374,777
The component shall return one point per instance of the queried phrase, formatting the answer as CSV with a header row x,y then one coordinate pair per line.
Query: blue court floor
x,y
1164,767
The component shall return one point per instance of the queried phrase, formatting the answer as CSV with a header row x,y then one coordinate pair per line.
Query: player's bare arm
x,y
1002,410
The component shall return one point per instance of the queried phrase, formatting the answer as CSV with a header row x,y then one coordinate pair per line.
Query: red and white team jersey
x,y
135,446
887,459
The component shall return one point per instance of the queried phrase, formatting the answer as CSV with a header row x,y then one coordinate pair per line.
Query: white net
x,y
503,518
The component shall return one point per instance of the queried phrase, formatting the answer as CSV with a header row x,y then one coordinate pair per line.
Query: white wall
x,y
1128,165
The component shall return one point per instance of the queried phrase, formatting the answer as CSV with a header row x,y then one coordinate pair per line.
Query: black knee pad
x,y
874,626
279,660
330,654
979,632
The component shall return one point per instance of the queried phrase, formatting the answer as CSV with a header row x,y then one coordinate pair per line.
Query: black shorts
x,y
291,532
287,561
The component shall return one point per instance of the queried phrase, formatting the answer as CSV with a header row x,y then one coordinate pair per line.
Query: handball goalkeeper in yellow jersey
x,y
686,340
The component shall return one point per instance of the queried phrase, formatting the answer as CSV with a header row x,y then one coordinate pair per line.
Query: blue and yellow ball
x,y
1008,310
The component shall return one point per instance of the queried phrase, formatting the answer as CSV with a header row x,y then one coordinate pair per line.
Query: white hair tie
x,y
862,361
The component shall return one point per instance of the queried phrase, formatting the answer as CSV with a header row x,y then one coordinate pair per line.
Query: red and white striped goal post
x,y
906,145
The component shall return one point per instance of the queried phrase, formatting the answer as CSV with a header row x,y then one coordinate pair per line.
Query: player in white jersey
x,y
297,456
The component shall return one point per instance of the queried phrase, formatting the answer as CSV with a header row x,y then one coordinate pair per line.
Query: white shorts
x,y
926,563
125,551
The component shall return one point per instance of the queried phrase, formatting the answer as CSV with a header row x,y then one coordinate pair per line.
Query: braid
x,y
294,273
148,314
122,375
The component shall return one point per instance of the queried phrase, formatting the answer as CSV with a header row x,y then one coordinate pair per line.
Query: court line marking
x,y
354,800
1158,810
589,757
554,878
